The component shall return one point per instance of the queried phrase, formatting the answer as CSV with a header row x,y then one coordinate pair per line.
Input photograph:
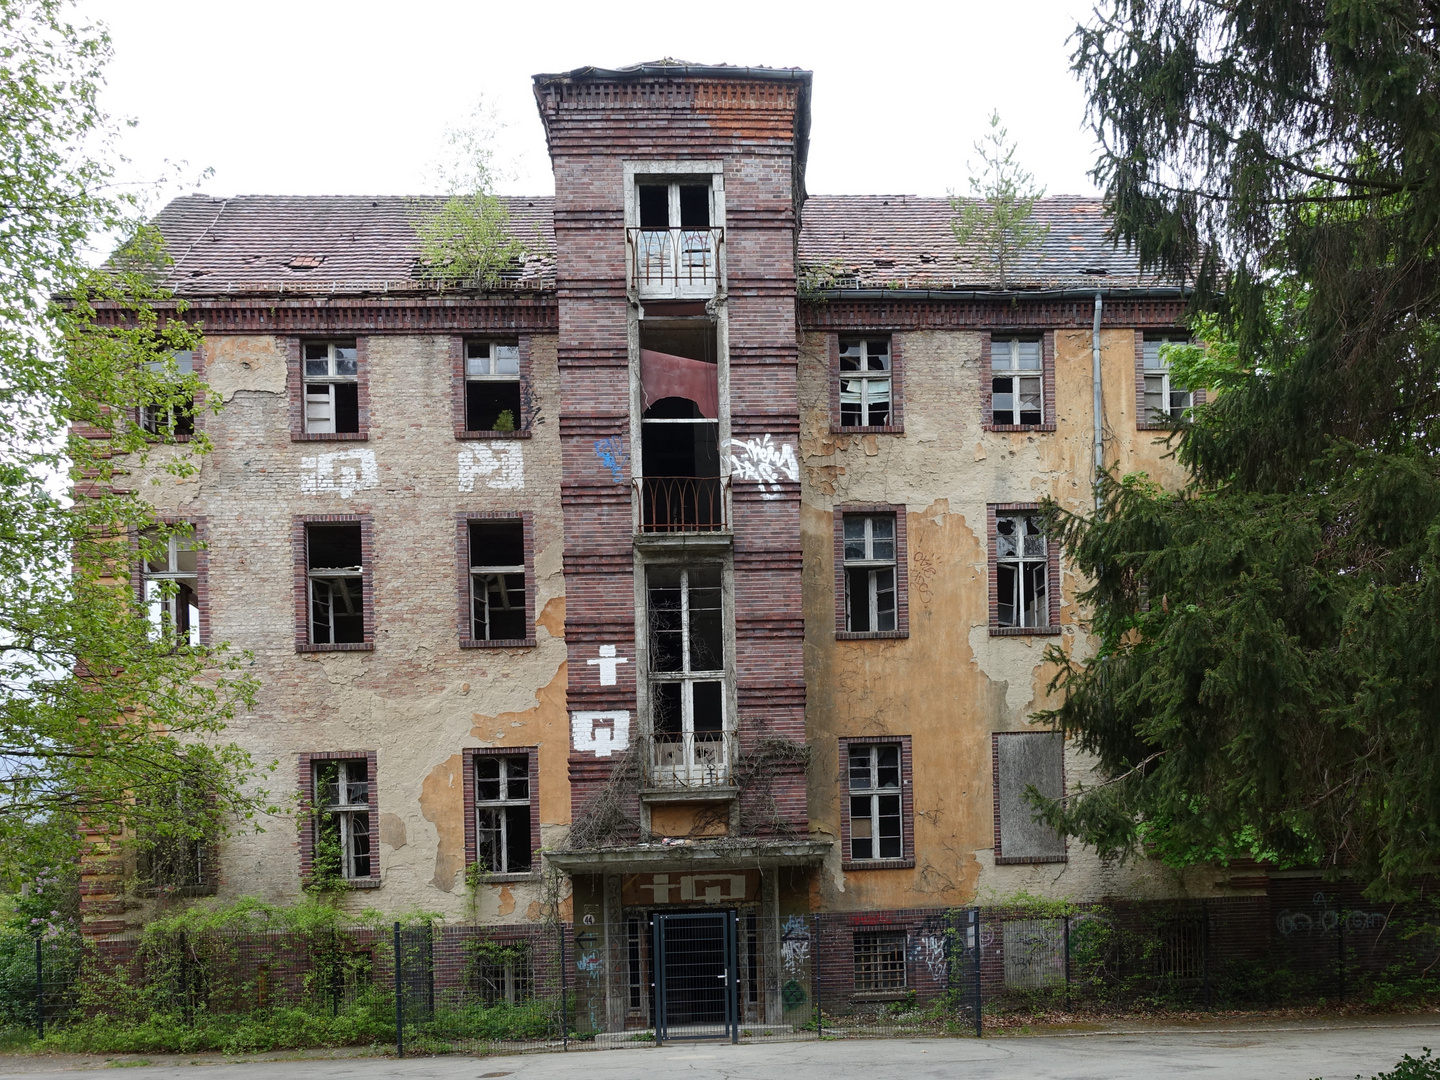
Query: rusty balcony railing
x,y
675,262
690,760
682,504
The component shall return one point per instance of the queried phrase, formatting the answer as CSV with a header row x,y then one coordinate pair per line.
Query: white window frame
x,y
876,567
871,792
1027,610
858,349
498,807
480,576
351,814
690,761
162,602
1009,363
879,940
1157,373
319,581
157,421
318,387
489,361
675,262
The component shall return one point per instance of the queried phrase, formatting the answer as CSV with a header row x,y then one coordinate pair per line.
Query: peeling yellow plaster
x,y
442,801
507,901
547,726
553,617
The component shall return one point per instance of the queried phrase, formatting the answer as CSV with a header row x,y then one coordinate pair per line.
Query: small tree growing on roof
x,y
999,217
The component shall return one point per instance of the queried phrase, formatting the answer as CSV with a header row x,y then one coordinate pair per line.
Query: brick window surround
x,y
902,573
302,592
1141,423
897,386
462,577
200,536
1047,380
469,754
1000,857
457,390
197,367
306,779
907,805
295,387
1052,578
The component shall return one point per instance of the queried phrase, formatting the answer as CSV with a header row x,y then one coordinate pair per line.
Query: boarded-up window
x,y
1024,760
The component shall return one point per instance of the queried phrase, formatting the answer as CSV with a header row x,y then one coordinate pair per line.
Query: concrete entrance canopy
x,y
644,858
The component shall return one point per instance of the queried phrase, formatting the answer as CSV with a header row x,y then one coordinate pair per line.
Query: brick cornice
x,y
310,315
964,313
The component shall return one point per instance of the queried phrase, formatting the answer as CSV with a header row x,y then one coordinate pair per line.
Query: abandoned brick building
x,y
695,568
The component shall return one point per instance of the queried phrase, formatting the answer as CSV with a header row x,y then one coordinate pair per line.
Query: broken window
x,y
879,961
336,578
172,585
502,971
675,243
1017,394
1165,402
870,573
875,805
502,813
175,421
497,580
331,377
679,437
342,802
1022,570
864,382
492,386
687,674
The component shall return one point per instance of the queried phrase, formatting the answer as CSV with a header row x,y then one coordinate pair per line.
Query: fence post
x,y
1067,961
1205,949
979,954
399,999
564,1002
39,989
1340,958
815,971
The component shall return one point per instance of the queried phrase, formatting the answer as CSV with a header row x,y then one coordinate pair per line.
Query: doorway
x,y
695,975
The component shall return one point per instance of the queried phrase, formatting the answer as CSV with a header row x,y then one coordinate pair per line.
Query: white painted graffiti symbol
x,y
499,465
343,472
589,963
600,733
794,946
931,953
607,662
1327,920
765,462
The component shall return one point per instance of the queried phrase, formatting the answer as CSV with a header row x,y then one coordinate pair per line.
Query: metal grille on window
x,y
1164,401
502,813
497,580
336,579
869,573
864,382
875,817
176,420
879,961
492,386
1017,388
687,676
342,797
1022,571
172,591
331,379
502,971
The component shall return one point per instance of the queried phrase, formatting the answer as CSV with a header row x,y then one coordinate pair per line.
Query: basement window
x,y
502,814
503,972
865,392
879,961
336,578
331,377
870,573
497,580
172,587
1017,394
492,386
342,801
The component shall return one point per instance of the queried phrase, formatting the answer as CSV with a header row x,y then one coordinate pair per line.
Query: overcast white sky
x,y
322,97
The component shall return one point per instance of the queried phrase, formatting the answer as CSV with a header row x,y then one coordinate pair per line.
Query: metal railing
x,y
682,504
690,760
675,262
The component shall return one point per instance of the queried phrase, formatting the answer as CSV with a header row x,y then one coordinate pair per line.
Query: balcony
x,y
690,761
683,504
675,263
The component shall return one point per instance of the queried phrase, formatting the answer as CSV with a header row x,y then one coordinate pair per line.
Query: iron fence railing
x,y
683,504
675,262
691,759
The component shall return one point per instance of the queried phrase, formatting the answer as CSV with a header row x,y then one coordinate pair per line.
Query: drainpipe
x,y
1095,381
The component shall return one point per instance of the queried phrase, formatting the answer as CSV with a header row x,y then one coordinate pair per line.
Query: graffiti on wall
x,y
341,472
607,662
499,465
600,733
765,462
613,456
794,946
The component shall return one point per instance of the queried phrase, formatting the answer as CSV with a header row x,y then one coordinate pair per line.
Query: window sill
x,y
508,879
500,643
329,436
463,433
1018,427
877,635
351,883
344,646
183,890
877,864
1175,425
880,995
1023,631
1015,860
872,429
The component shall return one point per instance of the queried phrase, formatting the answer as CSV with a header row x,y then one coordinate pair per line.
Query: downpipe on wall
x,y
1095,381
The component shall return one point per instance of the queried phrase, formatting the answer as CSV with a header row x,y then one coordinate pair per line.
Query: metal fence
x,y
738,975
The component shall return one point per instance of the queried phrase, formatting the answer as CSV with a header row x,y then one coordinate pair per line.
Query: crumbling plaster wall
x,y
949,685
417,699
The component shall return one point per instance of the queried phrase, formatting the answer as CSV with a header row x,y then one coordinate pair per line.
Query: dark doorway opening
x,y
695,975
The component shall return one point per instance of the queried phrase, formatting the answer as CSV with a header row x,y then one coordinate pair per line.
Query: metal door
x,y
695,975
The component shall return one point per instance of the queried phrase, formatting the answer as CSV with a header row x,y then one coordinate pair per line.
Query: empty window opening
x,y
879,961
870,573
497,580
492,386
172,590
678,204
336,581
1017,394
1022,571
864,382
173,420
687,673
332,388
502,972
675,243
875,818
1165,401
635,964
679,440
342,800
502,813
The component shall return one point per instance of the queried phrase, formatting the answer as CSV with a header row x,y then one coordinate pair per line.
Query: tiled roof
x,y
262,243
